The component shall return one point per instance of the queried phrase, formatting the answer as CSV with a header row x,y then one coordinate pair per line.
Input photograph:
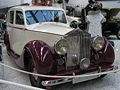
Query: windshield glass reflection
x,y
40,16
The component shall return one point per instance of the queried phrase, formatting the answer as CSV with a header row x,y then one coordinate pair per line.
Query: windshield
x,y
39,16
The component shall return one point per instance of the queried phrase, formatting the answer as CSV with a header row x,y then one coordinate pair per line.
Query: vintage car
x,y
41,41
112,24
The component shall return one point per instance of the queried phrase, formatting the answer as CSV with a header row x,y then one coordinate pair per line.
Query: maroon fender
x,y
42,56
108,54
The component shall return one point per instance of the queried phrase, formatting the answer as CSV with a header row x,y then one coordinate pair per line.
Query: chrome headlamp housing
x,y
61,47
98,43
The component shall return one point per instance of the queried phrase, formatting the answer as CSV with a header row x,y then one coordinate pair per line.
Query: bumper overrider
x,y
57,81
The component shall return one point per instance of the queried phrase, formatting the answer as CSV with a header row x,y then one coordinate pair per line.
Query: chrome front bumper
x,y
52,82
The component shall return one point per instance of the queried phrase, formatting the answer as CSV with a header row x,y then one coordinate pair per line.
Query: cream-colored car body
x,y
48,32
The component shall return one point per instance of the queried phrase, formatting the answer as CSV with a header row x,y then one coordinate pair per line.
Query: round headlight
x,y
98,43
61,47
84,63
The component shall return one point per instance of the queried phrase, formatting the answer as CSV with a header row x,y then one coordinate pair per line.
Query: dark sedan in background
x,y
112,24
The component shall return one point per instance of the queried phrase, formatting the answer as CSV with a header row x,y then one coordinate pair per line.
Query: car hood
x,y
54,28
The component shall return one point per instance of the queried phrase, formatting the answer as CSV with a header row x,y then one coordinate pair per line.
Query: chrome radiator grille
x,y
79,48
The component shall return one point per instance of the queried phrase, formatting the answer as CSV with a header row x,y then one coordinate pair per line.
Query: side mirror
x,y
74,24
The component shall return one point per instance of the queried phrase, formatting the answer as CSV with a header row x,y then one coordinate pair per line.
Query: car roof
x,y
24,8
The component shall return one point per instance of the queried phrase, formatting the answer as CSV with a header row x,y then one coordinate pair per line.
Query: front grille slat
x,y
79,45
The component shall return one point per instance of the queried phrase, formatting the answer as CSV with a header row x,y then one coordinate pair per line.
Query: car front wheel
x,y
35,80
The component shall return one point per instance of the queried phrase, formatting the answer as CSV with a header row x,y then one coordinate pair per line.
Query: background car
x,y
112,24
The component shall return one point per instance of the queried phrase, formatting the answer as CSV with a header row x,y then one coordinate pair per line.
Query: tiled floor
x,y
11,75
110,82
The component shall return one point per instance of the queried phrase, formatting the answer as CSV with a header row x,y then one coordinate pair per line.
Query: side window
x,y
11,17
19,18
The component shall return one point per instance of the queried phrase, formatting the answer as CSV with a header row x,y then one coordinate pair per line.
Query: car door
x,y
16,31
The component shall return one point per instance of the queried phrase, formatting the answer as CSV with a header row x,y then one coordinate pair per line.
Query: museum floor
x,y
110,82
